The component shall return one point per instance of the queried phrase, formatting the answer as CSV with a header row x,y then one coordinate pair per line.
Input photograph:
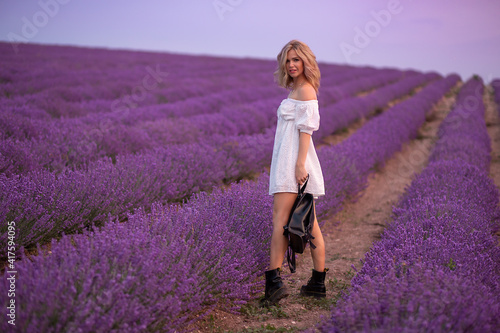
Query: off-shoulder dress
x,y
295,116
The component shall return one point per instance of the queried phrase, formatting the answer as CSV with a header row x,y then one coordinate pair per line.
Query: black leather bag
x,y
299,226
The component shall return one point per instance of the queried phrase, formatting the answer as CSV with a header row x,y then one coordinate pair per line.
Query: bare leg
x,y
282,206
318,254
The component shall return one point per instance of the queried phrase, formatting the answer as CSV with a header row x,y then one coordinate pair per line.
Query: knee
x,y
280,215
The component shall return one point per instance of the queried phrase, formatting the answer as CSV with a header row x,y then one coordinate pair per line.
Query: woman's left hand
x,y
300,173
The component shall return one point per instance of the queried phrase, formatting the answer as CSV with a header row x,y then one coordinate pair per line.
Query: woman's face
x,y
294,65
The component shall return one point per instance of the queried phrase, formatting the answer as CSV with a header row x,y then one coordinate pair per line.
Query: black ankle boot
x,y
316,285
275,289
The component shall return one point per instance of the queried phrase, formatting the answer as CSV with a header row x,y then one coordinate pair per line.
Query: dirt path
x,y
348,236
493,125
341,135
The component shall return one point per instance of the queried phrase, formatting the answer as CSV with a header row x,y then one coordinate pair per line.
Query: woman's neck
x,y
299,82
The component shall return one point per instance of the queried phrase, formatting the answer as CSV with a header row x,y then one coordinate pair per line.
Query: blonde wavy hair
x,y
311,69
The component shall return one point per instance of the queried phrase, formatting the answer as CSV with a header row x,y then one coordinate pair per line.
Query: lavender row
x,y
51,81
208,104
380,97
340,115
166,267
495,84
437,266
23,124
249,118
45,204
74,143
230,107
156,272
78,74
335,92
16,125
61,144
350,162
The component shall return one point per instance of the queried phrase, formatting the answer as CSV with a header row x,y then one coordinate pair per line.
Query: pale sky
x,y
460,36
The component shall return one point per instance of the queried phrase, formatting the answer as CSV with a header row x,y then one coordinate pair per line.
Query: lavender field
x,y
137,184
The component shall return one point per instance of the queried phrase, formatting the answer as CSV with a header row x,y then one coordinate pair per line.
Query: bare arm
x,y
300,166
305,93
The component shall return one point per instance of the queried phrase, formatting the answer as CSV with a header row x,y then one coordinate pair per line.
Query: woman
x,y
294,157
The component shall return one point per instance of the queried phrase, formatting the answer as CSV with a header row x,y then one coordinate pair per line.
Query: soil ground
x,y
349,234
492,119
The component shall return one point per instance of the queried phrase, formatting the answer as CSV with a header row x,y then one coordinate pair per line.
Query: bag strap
x,y
290,258
301,190
290,254
309,236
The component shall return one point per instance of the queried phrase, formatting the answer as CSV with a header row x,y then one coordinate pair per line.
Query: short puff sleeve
x,y
307,117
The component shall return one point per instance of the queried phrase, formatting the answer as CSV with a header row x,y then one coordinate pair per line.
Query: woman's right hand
x,y
300,173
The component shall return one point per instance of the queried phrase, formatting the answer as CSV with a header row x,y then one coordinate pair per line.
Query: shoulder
x,y
306,93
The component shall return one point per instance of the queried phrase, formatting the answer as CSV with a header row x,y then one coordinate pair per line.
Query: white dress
x,y
295,116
